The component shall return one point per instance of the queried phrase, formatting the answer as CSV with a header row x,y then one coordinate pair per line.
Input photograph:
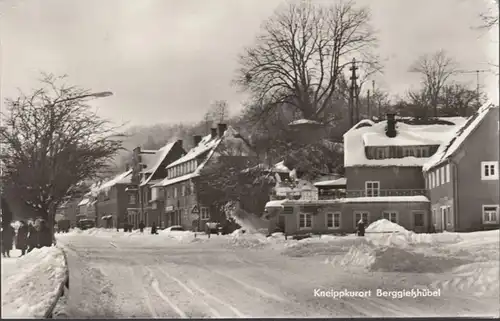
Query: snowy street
x,y
118,276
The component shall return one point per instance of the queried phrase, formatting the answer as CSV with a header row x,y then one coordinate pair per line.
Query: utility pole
x,y
352,91
368,110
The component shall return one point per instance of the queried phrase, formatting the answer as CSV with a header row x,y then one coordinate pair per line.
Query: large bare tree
x,y
52,141
301,53
489,17
435,69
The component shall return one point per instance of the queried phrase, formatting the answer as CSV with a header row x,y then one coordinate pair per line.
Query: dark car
x,y
174,228
63,226
86,224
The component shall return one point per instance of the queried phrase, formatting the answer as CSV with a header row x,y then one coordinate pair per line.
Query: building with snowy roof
x,y
182,204
383,179
462,176
145,203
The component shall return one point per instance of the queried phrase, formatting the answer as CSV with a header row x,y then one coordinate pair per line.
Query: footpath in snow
x,y
30,284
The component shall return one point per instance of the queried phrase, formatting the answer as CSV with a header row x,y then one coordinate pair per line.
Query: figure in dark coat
x,y
40,236
8,234
32,238
361,228
153,228
141,226
22,238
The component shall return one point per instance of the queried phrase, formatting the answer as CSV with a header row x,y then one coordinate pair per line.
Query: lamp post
x,y
101,94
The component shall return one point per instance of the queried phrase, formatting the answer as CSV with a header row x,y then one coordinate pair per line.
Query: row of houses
x,y
160,186
441,176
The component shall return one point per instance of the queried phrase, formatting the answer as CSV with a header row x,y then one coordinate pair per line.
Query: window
x,y
333,220
490,214
431,182
438,181
183,190
443,180
434,217
391,216
305,220
489,170
132,199
448,177
175,192
418,152
418,219
154,193
372,189
380,153
205,214
364,215
287,210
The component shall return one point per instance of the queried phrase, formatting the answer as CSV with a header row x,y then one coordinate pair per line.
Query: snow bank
x,y
29,292
383,225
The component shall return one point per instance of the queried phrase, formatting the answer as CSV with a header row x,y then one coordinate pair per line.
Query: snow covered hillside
x,y
30,283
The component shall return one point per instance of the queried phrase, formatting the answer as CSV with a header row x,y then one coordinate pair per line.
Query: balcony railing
x,y
387,192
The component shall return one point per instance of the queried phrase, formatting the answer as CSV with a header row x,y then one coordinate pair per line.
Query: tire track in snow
x,y
186,288
156,286
146,294
227,305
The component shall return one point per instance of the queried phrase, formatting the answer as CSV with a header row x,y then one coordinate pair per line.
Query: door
x,y
281,223
443,218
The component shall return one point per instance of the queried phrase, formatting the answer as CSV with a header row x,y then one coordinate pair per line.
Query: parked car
x,y
86,224
63,226
174,228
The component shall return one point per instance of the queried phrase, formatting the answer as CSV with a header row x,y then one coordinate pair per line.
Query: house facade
x,y
112,200
149,168
463,176
383,179
179,191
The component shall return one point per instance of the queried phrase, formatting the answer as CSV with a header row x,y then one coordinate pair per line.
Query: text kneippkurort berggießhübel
x,y
381,293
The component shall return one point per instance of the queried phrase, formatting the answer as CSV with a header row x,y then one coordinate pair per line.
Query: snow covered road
x,y
120,277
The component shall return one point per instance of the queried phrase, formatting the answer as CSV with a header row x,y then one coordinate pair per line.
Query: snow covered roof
x,y
207,144
148,158
159,158
84,201
123,178
304,121
367,133
453,143
278,204
336,182
380,199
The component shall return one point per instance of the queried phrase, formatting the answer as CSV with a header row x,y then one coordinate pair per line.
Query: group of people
x,y
28,237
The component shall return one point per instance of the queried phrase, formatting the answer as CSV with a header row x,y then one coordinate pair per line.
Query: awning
x,y
107,217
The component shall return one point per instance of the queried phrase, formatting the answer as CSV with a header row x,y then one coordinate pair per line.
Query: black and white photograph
x,y
172,159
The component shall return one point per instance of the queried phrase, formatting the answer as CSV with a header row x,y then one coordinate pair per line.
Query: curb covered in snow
x,y
60,292
36,285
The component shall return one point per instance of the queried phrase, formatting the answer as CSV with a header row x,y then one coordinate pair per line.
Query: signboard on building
x,y
169,208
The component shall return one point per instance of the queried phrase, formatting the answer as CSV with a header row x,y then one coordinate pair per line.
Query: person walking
x,y
141,227
361,228
31,241
22,238
154,229
8,234
45,238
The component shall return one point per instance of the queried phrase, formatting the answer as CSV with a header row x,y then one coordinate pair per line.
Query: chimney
x,y
196,139
391,125
213,132
222,129
179,141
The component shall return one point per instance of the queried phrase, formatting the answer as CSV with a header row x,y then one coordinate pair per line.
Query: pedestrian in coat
x,y
153,228
8,234
32,237
361,228
22,238
141,226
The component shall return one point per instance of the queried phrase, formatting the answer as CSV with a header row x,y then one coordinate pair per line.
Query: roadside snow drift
x,y
32,287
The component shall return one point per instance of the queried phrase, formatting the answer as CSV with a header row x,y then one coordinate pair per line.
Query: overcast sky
x,y
167,60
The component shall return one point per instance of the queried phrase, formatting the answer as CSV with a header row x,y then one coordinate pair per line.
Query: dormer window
x,y
380,153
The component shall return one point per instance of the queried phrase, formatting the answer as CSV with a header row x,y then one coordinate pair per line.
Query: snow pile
x,y
383,225
248,239
29,292
182,236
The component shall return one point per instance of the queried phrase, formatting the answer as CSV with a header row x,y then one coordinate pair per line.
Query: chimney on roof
x,y
391,125
196,139
221,129
213,132
179,141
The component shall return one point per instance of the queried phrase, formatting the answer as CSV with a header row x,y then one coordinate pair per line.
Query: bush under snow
x,y
33,284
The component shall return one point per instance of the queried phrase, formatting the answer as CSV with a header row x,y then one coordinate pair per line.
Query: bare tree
x,y
219,111
436,69
52,141
489,18
301,53
459,100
